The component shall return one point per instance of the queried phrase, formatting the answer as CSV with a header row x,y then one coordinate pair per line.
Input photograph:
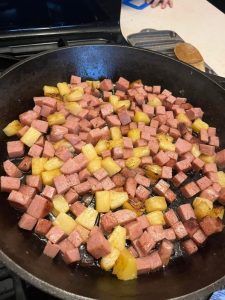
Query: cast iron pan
x,y
186,277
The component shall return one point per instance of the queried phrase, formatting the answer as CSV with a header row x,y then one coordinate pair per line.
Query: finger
x,y
155,3
164,4
171,3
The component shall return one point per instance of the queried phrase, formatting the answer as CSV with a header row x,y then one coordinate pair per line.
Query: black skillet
x,y
185,278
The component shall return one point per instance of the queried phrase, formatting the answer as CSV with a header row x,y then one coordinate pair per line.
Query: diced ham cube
x,y
156,232
142,180
51,250
183,165
119,180
97,245
161,158
42,227
191,226
179,230
46,111
199,237
204,135
27,222
106,110
165,251
9,183
63,153
15,149
186,212
75,238
106,153
211,225
35,151
189,247
84,174
48,150
11,169
203,183
142,193
106,85
75,164
190,190
182,146
143,222
170,217
179,178
166,172
148,263
96,134
61,184
73,179
95,185
211,131
19,201
170,196
71,256
108,222
48,192
124,116
169,234
27,191
55,234
210,167
25,164
161,187
197,164
113,120
146,242
117,153
134,230
77,208
27,117
71,196
207,149
214,141
39,207
65,245
220,158
40,125
210,193
107,184
124,216
34,181
122,84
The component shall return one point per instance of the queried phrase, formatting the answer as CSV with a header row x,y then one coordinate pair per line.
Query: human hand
x,y
164,3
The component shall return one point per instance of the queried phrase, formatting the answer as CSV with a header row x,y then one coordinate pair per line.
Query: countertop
x,y
195,21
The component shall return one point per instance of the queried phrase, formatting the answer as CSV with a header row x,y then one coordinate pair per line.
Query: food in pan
x,y
103,168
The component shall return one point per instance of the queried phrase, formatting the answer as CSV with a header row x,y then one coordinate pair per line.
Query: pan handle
x,y
218,79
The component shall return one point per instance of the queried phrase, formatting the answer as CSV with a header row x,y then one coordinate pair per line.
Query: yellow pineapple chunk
x,y
53,163
56,119
117,199
115,133
154,102
133,162
63,88
217,212
183,118
122,103
48,90
110,166
207,159
115,143
113,100
166,146
141,151
198,124
48,176
153,171
87,218
37,165
102,201
140,116
73,107
65,222
108,261
156,218
89,152
30,137
117,238
101,146
195,150
221,178
60,205
155,203
12,128
125,267
134,134
94,165
75,95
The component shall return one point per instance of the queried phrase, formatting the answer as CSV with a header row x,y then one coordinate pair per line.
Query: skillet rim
x,y
49,288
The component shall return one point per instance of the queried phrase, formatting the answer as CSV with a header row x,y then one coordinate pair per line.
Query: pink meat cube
x,y
149,110
156,232
124,216
189,247
77,208
127,142
207,149
174,133
27,117
117,152
142,180
147,160
48,192
179,230
55,234
75,164
106,153
211,131
169,234
58,132
35,151
142,193
179,178
61,184
22,131
42,227
94,184
119,180
95,135
214,141
97,245
213,177
154,146
186,212
75,238
204,135
170,196
122,84
9,183
166,172
27,191
191,226
143,222
134,230
124,116
40,125
165,251
75,79
51,250
211,225
113,120
71,196
107,184
197,164
11,169
199,237
100,174
84,174
104,133
27,222
34,181
203,183
148,263
46,111
39,207
18,200
48,150
71,256
182,146
25,164
97,122
73,179
15,149
65,245
146,242
106,85
133,251
190,190
210,167
220,158
161,187
170,217
161,158
210,193
194,113
106,110
108,221
63,153
127,153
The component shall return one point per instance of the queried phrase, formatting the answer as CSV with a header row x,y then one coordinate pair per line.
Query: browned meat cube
x,y
27,222
189,247
165,251
97,245
186,212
